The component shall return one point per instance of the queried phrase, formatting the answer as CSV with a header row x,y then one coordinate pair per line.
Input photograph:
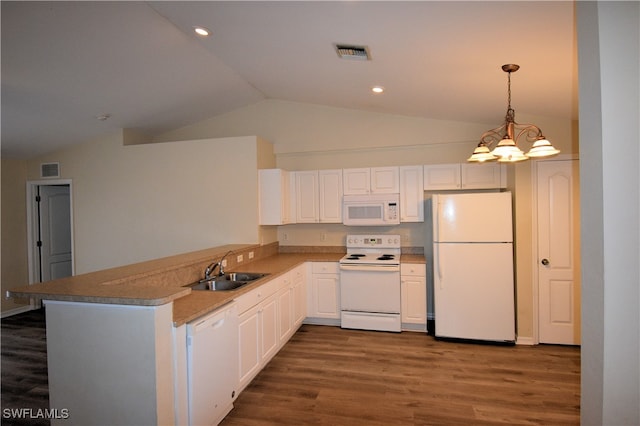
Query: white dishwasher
x,y
212,366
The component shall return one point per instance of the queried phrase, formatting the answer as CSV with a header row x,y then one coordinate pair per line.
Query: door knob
x,y
545,262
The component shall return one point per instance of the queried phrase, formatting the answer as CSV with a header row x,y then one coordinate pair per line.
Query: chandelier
x,y
505,137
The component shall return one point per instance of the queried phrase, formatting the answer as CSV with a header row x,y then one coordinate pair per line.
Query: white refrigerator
x,y
473,266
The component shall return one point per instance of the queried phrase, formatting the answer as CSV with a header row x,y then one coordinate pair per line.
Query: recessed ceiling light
x,y
201,31
377,89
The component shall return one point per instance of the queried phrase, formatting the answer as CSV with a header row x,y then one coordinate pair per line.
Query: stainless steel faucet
x,y
209,270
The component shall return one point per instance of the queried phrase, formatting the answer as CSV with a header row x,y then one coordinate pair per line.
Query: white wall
x,y
308,137
139,202
14,231
609,52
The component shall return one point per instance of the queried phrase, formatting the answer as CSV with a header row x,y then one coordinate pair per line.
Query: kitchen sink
x,y
226,282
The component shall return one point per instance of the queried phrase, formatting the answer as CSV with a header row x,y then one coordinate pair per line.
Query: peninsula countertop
x,y
149,283
162,281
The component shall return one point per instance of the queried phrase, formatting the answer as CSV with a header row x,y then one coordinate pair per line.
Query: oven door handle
x,y
370,268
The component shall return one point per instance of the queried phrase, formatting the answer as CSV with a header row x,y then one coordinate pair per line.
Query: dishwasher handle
x,y
215,320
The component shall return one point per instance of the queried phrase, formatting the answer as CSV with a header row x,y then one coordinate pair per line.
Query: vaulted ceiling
x,y
65,64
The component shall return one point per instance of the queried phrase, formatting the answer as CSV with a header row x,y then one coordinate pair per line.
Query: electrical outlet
x,y
240,258
285,236
323,237
224,263
250,255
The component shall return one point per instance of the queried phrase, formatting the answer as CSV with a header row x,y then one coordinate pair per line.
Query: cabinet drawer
x,y
325,268
415,269
252,298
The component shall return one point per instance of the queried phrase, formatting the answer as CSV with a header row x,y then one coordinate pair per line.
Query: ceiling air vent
x,y
346,51
50,170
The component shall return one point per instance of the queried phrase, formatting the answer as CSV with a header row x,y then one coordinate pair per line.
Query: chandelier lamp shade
x,y
504,139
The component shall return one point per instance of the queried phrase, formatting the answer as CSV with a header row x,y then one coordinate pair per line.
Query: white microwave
x,y
371,209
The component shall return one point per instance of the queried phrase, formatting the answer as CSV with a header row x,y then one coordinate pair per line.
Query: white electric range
x,y
370,283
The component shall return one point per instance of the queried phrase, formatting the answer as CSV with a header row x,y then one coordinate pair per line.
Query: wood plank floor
x,y
330,376
24,366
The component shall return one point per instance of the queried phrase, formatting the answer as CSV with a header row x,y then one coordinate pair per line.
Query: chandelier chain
x,y
509,90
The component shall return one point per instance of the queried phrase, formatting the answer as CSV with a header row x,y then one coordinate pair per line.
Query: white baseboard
x,y
16,311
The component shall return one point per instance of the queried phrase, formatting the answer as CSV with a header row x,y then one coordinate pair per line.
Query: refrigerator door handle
x,y
435,200
436,217
438,264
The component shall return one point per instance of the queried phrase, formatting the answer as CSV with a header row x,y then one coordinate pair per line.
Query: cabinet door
x,y
269,337
307,196
414,300
385,180
413,291
249,345
299,296
482,176
442,176
411,194
356,181
330,188
285,314
285,308
325,296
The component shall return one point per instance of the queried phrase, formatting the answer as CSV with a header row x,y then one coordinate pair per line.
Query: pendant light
x,y
506,137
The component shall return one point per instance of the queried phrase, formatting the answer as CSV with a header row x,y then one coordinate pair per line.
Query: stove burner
x,y
357,255
386,257
354,257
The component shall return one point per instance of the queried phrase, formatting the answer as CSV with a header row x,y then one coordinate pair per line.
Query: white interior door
x,y
558,252
55,232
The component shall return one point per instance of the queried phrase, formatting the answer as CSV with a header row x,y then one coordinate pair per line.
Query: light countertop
x,y
161,281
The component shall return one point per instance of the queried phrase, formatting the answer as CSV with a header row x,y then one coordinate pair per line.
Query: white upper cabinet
x,y
330,192
318,196
411,194
480,176
356,181
442,176
375,180
276,197
307,209
464,176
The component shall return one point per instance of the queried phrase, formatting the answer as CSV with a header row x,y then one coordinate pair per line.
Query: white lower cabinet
x,y
285,310
413,296
258,336
299,301
269,316
323,298
249,330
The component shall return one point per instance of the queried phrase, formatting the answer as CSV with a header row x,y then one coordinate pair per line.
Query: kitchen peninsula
x,y
116,338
